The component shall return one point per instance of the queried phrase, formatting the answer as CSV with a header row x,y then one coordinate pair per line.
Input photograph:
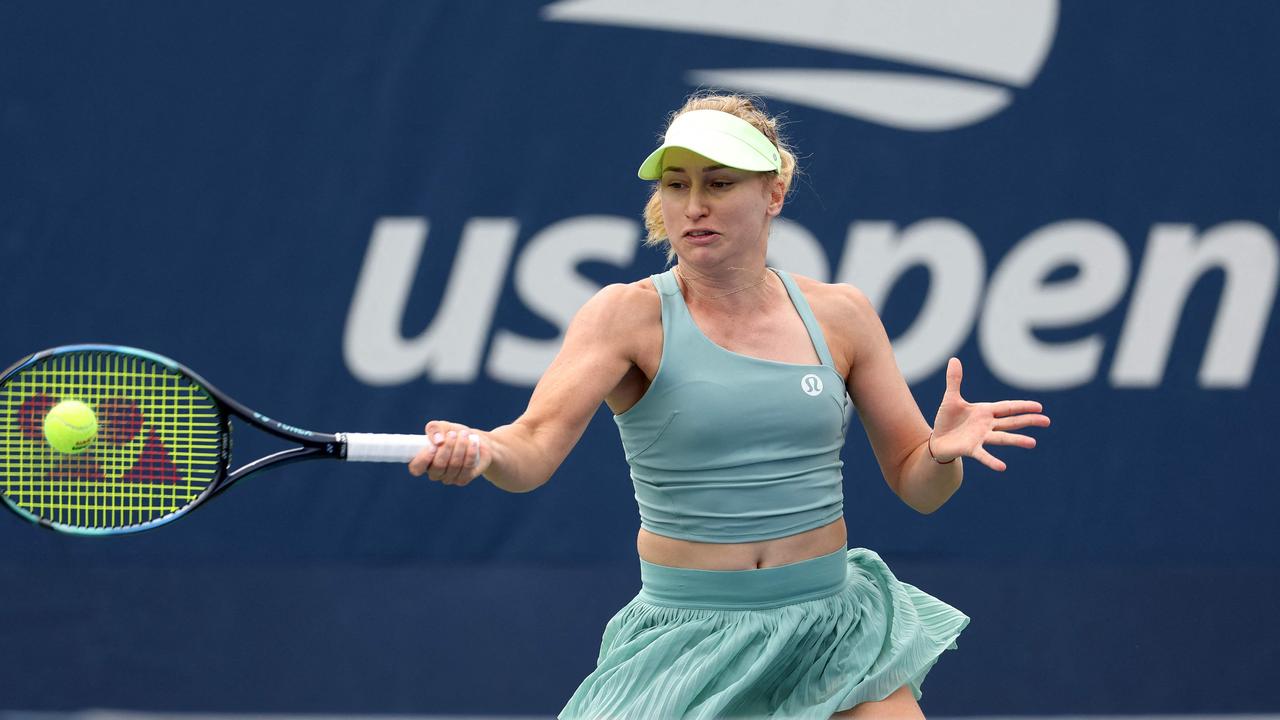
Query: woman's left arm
x,y
899,434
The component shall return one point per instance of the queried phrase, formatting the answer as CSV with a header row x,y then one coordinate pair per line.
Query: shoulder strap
x,y
675,316
806,314
666,283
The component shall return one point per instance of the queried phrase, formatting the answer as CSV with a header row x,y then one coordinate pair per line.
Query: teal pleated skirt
x,y
804,640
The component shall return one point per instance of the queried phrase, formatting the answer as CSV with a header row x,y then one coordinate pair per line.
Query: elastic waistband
x,y
743,589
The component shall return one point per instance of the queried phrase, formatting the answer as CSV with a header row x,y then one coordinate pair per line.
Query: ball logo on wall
x,y
987,48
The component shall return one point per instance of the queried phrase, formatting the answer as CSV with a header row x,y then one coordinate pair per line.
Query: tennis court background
x,y
258,189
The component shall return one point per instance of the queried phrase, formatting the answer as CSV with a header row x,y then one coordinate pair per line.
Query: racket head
x,y
162,446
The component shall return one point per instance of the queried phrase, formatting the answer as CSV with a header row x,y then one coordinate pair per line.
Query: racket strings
x,y
158,447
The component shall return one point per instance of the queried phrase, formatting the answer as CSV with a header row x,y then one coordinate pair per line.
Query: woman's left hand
x,y
962,428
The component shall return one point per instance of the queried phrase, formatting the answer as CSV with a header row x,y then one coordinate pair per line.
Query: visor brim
x,y
719,137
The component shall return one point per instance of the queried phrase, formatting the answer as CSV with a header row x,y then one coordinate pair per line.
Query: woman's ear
x,y
777,195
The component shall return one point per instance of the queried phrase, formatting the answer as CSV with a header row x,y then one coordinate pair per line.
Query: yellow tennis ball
x,y
70,426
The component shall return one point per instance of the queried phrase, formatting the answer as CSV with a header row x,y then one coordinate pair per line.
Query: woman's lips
x,y
703,239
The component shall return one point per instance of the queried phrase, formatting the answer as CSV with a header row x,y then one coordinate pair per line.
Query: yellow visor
x,y
727,139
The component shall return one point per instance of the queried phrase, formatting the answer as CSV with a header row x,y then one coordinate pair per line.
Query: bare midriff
x,y
662,550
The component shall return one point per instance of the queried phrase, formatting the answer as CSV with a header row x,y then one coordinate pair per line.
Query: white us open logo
x,y
811,384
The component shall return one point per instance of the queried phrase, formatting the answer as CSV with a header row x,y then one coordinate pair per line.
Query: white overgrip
x,y
383,447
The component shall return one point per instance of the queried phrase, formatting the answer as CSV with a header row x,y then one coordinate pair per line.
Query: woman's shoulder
x,y
623,306
836,300
630,296
848,319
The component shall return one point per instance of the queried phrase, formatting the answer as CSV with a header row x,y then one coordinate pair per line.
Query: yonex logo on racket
x,y
284,426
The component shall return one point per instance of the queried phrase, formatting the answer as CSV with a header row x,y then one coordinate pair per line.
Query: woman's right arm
x,y
598,351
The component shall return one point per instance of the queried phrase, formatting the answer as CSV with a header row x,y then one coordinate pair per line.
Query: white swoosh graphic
x,y
903,100
1004,41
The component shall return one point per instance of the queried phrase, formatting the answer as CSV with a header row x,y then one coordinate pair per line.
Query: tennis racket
x,y
162,446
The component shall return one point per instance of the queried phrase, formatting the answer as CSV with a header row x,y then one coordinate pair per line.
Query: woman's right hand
x,y
456,454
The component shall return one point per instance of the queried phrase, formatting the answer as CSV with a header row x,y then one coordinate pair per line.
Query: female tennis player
x,y
728,381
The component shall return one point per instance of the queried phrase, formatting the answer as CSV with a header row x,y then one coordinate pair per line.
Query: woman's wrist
x,y
929,443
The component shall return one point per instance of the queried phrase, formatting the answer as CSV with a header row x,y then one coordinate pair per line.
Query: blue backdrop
x,y
362,216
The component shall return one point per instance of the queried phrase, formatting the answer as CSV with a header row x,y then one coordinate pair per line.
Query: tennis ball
x,y
70,426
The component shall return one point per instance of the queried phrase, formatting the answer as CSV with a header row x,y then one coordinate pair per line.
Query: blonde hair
x,y
750,109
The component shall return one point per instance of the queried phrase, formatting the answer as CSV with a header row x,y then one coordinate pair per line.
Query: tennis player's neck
x,y
735,287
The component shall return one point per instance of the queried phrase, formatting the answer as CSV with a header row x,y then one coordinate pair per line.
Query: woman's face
x,y
714,212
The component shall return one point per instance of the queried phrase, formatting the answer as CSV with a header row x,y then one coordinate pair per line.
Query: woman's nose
x,y
696,206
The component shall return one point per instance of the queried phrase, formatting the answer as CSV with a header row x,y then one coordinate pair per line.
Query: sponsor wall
x,y
363,217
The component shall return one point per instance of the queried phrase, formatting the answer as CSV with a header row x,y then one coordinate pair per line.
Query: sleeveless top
x,y
724,447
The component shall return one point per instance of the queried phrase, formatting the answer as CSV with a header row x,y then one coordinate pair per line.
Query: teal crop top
x,y
725,447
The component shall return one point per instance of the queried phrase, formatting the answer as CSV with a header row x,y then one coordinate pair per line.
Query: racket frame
x,y
312,445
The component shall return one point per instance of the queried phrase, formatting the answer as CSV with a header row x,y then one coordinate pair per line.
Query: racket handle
x,y
383,447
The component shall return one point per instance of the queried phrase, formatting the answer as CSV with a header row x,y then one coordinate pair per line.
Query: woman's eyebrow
x,y
709,168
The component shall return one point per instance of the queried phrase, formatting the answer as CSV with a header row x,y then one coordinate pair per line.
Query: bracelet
x,y
935,457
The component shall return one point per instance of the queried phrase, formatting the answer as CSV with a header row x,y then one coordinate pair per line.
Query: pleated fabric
x,y
691,647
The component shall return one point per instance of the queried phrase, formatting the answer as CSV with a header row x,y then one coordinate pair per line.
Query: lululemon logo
x,y
811,384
